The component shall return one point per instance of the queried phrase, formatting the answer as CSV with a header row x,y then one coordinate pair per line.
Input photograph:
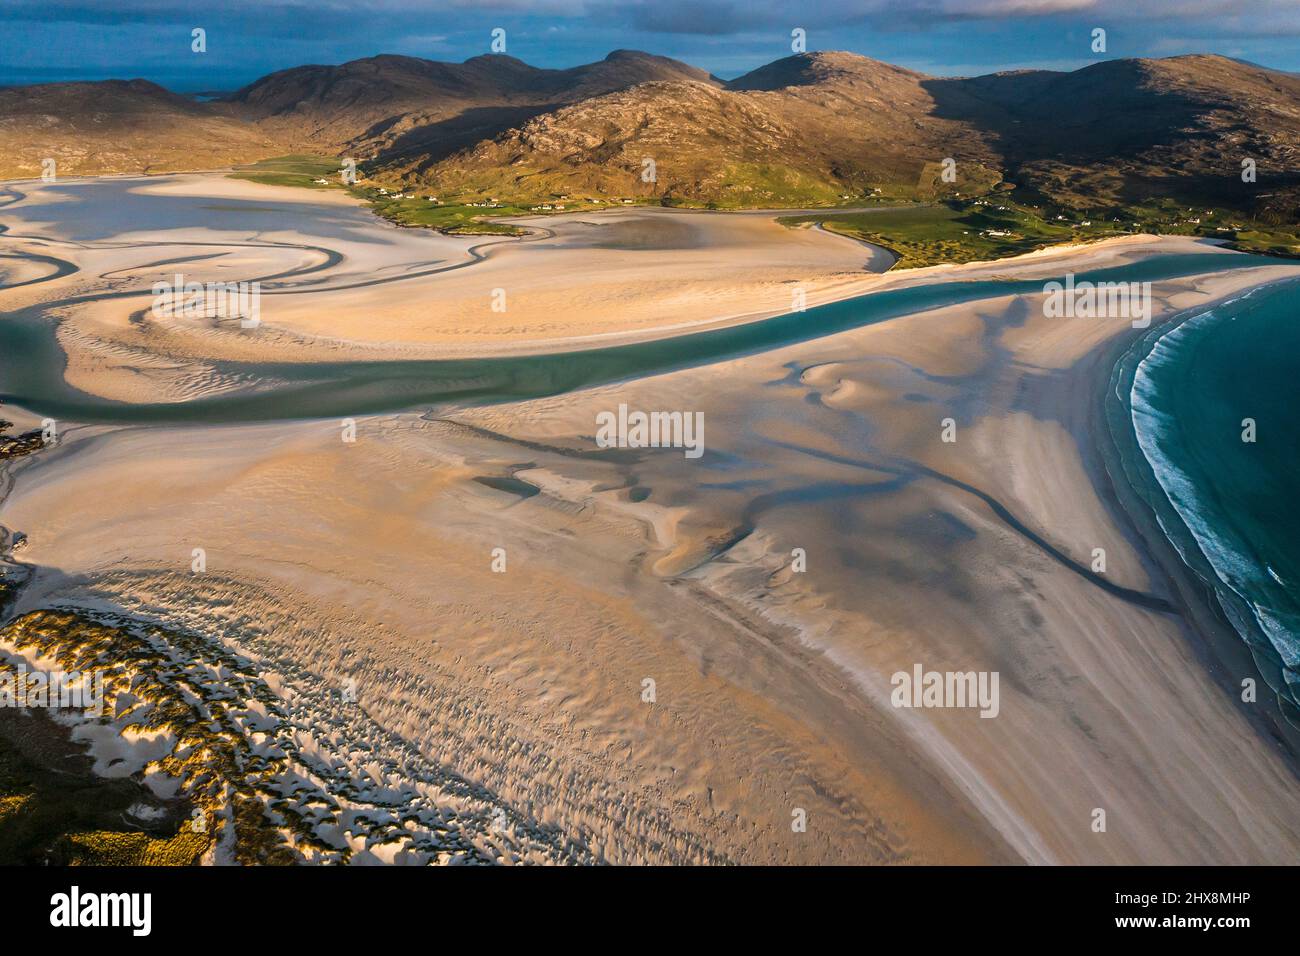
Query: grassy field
x,y
451,218
937,226
740,186
412,210
53,809
1268,241
994,227
956,231
1238,231
300,171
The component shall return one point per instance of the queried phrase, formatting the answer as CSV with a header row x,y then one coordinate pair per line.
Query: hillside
x,y
118,126
1138,129
375,107
1157,136
824,124
804,129
387,105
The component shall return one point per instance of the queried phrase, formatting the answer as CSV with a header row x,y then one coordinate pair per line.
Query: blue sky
x,y
49,40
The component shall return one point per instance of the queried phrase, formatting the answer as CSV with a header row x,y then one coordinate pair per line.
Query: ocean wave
x,y
1205,526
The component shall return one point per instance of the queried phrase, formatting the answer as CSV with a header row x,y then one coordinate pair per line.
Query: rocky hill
x,y
815,127
1129,129
118,126
394,105
823,124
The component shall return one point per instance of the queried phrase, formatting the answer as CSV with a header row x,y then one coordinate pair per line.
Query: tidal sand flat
x,y
463,630
337,283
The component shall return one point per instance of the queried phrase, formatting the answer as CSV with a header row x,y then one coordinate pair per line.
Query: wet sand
x,y
373,561
337,283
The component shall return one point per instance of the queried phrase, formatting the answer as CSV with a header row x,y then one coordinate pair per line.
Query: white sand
x,y
372,561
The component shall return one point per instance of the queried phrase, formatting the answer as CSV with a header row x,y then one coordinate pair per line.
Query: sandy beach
x,y
375,561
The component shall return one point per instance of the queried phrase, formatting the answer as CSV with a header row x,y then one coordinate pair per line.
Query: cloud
x,y
1207,19
700,17
248,38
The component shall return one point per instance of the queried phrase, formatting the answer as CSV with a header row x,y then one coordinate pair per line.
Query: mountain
x,y
822,124
1124,130
803,129
808,128
118,126
375,107
393,104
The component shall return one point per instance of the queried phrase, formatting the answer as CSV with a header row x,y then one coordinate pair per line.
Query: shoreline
x,y
492,259
851,287
622,564
976,773
343,388
867,284
1224,650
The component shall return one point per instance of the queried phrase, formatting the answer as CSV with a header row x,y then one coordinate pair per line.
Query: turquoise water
x,y
31,364
1230,507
